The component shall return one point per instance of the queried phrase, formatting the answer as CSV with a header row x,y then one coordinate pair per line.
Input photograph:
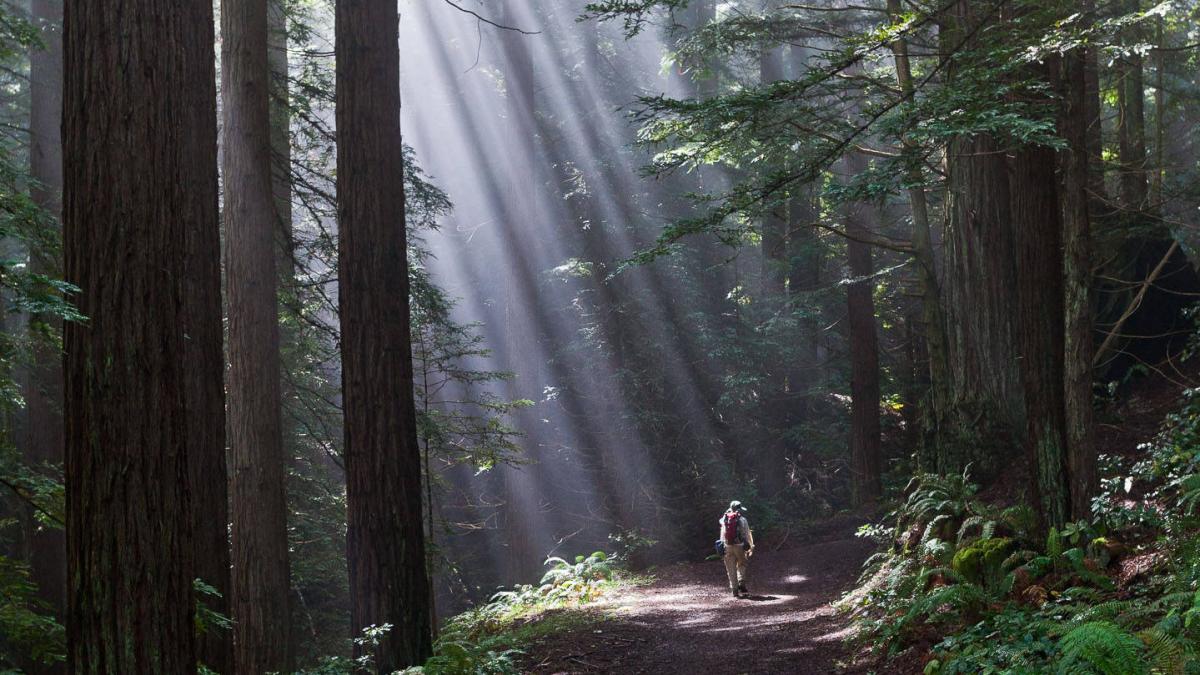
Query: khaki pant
x,y
736,565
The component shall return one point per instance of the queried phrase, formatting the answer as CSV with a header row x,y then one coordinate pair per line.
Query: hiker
x,y
738,544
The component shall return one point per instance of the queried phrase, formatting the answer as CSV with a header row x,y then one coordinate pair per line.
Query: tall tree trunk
x,y
1098,192
1131,122
140,165
804,277
1077,277
864,353
43,443
774,222
258,493
707,79
205,396
386,553
522,327
285,247
1040,292
1160,102
927,279
281,141
777,406
985,412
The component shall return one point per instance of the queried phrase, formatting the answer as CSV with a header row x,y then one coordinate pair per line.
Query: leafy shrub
x,y
26,627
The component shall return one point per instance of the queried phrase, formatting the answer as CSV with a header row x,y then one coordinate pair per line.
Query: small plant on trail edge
x,y
485,640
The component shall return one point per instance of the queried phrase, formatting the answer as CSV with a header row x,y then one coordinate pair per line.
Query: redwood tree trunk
x,y
1098,193
385,545
1131,122
205,396
43,442
774,223
804,278
522,325
985,408
139,137
1040,293
777,406
1077,275
864,354
258,493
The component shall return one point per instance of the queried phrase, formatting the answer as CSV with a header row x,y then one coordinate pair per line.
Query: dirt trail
x,y
688,622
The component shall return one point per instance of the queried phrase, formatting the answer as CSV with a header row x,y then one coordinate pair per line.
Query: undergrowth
x,y
962,586
487,639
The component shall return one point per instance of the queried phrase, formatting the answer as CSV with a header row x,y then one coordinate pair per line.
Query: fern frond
x,y
1101,647
1168,653
965,529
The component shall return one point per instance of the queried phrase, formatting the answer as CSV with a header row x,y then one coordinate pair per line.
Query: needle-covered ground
x,y
688,622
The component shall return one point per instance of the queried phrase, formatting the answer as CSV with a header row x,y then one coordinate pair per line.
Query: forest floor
x,y
687,621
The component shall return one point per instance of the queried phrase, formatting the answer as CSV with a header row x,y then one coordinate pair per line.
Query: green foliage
x,y
1010,603
465,658
207,619
28,629
486,640
565,584
982,562
1101,647
451,656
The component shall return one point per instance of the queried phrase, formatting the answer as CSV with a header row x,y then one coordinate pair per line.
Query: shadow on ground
x,y
689,622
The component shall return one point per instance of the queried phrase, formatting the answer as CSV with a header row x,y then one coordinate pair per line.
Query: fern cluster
x,y
1003,602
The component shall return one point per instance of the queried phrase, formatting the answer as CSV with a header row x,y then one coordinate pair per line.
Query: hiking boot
x,y
737,592
742,590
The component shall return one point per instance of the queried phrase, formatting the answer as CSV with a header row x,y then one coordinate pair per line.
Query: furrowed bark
x,y
864,353
205,387
139,186
1040,305
985,408
386,552
1077,276
260,585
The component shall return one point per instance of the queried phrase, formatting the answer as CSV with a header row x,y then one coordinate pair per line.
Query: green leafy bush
x,y
26,627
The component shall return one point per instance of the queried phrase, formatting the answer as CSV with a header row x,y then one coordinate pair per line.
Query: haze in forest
x,y
384,336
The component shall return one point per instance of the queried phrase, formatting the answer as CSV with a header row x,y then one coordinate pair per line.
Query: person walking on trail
x,y
738,543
